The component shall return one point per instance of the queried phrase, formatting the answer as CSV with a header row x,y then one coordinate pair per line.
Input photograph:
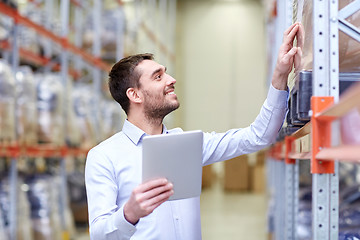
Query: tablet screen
x,y
178,158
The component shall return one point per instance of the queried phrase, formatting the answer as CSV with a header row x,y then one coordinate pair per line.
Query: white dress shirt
x,y
113,170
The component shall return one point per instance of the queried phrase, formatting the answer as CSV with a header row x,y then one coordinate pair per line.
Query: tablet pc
x,y
178,158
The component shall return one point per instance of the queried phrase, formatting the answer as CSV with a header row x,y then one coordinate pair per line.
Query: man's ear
x,y
133,95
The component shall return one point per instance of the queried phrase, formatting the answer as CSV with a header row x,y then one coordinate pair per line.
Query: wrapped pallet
x,y
26,111
85,115
111,116
7,103
50,109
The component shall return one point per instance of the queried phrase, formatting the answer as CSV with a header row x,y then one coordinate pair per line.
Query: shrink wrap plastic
x,y
108,35
50,109
7,103
26,112
29,39
24,231
84,119
3,234
43,198
111,116
349,49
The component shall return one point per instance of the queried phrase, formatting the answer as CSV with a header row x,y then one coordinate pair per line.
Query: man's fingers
x,y
146,186
160,198
150,204
289,55
297,59
300,35
288,30
289,38
156,191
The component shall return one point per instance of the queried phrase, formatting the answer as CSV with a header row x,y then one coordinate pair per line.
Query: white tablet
x,y
178,158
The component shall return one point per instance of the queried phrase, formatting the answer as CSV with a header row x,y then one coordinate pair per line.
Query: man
x,y
120,206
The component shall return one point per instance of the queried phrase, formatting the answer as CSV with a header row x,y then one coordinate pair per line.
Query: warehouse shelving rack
x,y
92,62
14,150
325,151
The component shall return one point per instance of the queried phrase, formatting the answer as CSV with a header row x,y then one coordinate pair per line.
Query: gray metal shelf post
x,y
64,13
13,174
325,83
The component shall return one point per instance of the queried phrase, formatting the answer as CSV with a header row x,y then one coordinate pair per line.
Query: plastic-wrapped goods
x,y
5,26
73,134
109,23
86,116
29,39
44,208
5,206
111,118
26,112
77,194
349,49
7,103
304,216
3,234
349,213
50,109
23,225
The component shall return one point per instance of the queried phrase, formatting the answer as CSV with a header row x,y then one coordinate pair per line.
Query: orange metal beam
x,y
305,130
349,153
13,13
41,150
300,155
321,134
347,101
37,59
288,148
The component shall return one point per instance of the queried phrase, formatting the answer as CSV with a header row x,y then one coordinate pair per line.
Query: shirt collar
x,y
134,133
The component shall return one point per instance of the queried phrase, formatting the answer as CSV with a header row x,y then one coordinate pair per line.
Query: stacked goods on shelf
x,y
7,103
85,114
349,208
24,230
50,109
29,39
77,194
112,22
111,118
44,204
349,57
3,234
349,48
26,112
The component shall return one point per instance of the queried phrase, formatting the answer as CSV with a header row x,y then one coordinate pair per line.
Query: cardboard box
x,y
237,174
258,179
207,176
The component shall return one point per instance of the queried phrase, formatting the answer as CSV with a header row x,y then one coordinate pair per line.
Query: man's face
x,y
157,89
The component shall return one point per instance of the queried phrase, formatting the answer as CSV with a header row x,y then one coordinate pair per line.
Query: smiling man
x,y
120,205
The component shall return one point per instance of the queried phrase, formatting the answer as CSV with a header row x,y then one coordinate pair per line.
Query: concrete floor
x,y
228,215
232,215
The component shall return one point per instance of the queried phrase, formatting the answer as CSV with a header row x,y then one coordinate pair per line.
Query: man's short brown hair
x,y
123,76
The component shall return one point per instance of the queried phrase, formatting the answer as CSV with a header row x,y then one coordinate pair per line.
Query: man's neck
x,y
149,126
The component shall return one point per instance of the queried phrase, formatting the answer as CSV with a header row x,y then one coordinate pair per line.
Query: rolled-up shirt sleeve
x,y
260,134
106,219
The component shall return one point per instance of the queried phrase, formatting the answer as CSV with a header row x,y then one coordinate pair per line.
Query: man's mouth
x,y
170,92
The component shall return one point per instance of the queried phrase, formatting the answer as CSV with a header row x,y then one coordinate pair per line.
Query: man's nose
x,y
170,80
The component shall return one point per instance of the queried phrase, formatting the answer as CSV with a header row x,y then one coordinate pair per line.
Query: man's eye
x,y
158,76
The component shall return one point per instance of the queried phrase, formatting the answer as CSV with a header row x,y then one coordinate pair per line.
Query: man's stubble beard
x,y
156,112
